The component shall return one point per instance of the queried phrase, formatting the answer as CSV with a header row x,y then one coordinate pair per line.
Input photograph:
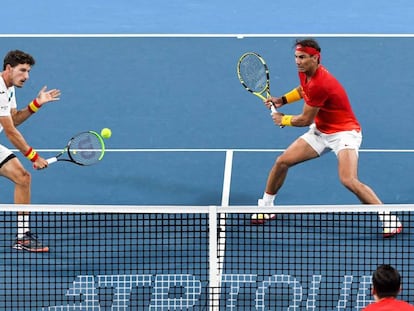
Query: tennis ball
x,y
106,133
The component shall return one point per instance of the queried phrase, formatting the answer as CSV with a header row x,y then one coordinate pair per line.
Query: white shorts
x,y
5,155
323,143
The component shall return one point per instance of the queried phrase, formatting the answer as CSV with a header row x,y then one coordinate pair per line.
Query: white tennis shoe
x,y
260,219
391,225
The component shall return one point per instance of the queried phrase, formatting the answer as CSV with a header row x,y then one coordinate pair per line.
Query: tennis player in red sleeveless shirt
x,y
333,127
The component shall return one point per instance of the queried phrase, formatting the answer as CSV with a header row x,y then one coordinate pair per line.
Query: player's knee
x,y
350,183
282,162
24,179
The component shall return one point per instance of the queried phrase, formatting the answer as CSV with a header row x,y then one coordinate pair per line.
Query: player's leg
x,y
299,151
348,175
21,178
11,168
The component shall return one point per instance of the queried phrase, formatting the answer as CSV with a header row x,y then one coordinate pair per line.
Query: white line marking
x,y
220,150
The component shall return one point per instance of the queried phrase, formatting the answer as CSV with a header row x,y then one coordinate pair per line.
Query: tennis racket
x,y
85,148
254,75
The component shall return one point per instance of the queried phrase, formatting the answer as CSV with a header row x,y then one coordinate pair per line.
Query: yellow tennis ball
x,y
106,133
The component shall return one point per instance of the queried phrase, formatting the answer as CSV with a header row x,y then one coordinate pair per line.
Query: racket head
x,y
254,74
86,148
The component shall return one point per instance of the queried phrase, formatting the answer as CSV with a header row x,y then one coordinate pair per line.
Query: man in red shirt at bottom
x,y
333,127
386,285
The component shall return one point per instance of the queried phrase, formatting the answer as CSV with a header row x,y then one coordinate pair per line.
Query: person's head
x,y
16,67
307,55
386,282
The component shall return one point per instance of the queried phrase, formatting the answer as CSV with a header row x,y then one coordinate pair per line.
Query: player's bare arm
x,y
17,139
43,97
304,119
289,97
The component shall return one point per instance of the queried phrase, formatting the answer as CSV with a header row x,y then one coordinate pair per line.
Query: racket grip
x,y
51,160
274,110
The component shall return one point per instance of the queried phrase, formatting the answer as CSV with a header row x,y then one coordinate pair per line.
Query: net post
x,y
219,240
214,275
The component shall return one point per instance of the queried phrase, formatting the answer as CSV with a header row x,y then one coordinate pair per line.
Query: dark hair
x,y
16,57
308,42
386,281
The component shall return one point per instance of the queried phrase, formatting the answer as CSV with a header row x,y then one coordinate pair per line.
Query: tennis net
x,y
201,258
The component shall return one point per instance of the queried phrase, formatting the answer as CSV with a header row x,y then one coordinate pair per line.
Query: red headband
x,y
309,50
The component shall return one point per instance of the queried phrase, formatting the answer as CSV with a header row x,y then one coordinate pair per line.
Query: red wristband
x,y
31,154
33,106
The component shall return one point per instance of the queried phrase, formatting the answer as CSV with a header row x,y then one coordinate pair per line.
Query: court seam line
x,y
213,35
218,150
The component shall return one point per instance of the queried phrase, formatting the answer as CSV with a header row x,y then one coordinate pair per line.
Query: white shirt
x,y
7,99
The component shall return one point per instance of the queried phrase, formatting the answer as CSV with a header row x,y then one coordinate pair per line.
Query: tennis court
x,y
175,112
175,115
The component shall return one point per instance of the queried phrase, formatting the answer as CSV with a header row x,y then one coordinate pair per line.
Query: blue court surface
x,y
163,94
175,107
207,17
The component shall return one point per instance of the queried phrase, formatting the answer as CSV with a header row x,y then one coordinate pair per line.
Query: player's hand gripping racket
x,y
254,75
85,148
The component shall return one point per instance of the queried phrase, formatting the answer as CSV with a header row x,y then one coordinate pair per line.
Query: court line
x,y
225,199
213,35
220,150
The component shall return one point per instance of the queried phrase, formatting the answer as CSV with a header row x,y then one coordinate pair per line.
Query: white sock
x,y
269,198
22,225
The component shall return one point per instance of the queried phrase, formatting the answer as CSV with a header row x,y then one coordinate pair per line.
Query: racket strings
x,y
253,73
86,148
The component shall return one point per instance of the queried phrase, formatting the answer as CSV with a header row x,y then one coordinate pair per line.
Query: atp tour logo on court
x,y
233,286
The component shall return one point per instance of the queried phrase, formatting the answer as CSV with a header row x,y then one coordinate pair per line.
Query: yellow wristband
x,y
286,120
291,96
31,154
33,106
